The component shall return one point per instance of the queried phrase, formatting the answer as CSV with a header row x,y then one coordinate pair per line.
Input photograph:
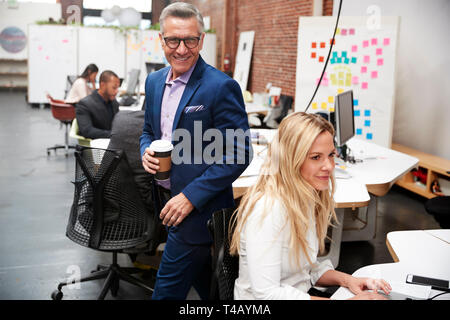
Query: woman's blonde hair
x,y
280,179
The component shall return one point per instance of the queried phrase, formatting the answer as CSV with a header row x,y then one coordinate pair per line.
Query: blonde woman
x,y
282,222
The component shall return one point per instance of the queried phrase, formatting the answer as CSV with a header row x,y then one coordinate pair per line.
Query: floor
x,y
35,198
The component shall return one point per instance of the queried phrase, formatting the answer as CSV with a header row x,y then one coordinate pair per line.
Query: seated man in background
x,y
95,113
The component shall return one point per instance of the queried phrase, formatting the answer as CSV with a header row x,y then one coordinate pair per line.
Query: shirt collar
x,y
183,78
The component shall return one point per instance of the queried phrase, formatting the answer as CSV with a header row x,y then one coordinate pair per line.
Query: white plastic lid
x,y
161,146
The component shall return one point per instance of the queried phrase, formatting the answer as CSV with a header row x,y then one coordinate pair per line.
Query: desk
x,y
420,252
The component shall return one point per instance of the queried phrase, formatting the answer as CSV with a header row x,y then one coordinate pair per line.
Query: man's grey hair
x,y
181,10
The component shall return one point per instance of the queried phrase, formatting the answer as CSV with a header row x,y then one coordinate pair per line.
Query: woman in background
x,y
80,87
282,221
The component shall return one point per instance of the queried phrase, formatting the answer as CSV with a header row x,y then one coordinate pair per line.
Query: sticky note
x,y
365,43
374,41
338,31
363,69
325,82
341,82
344,32
364,85
379,51
344,54
39,48
320,59
348,82
332,61
374,74
351,31
367,113
332,42
330,99
313,45
346,60
359,131
367,123
357,113
334,54
386,41
65,41
366,59
380,62
322,44
324,106
340,90
313,55
369,136
341,74
314,105
354,48
355,102
333,79
353,59
355,80
331,109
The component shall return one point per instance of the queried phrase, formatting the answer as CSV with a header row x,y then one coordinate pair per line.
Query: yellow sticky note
x,y
331,99
341,82
324,106
348,82
331,109
341,75
340,90
314,105
338,31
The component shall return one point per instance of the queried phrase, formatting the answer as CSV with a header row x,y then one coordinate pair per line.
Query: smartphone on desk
x,y
437,284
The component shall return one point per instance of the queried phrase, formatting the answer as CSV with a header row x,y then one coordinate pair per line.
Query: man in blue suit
x,y
191,99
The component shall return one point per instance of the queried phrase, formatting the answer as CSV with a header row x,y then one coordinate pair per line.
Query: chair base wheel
x,y
57,295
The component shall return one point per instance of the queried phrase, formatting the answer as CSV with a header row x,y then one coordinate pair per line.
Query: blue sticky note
x,y
346,60
353,59
359,131
334,54
367,123
344,54
339,60
369,136
357,113
332,61
367,113
355,102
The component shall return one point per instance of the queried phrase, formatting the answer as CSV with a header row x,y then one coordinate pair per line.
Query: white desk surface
x,y
255,108
420,252
380,165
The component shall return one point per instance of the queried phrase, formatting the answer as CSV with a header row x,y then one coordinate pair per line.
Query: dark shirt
x,y
95,116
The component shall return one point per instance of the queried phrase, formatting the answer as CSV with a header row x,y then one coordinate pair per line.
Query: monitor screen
x,y
344,117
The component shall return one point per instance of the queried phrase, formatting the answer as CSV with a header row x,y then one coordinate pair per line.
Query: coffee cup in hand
x,y
163,152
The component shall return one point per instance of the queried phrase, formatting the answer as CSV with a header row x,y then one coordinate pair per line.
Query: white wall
x,y
422,106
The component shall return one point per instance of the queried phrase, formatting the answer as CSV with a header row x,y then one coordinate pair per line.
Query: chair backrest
x,y
286,104
75,133
60,110
225,266
132,81
107,213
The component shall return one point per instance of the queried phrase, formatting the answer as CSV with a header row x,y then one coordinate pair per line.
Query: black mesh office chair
x,y
108,214
225,266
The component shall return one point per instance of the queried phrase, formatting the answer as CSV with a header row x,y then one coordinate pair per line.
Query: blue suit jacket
x,y
207,186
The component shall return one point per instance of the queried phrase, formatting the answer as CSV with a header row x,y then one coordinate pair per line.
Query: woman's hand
x,y
359,285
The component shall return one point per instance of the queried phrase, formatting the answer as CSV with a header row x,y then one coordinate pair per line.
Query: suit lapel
x,y
191,87
157,101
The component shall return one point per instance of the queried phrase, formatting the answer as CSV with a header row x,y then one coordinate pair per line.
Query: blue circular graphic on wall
x,y
13,40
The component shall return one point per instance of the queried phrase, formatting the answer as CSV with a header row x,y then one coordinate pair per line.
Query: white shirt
x,y
78,91
266,269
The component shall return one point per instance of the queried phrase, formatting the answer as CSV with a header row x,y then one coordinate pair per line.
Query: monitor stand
x,y
343,152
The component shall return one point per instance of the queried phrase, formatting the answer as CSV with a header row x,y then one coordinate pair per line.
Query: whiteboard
x,y
362,60
52,55
243,58
103,46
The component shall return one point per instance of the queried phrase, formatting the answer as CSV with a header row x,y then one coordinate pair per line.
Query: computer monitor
x,y
133,81
344,117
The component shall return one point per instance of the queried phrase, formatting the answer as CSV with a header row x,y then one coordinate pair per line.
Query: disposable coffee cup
x,y
163,152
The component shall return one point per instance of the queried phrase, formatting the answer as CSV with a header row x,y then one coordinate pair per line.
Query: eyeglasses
x,y
190,43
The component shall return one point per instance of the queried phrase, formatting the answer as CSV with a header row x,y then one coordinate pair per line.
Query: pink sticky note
x,y
364,85
363,69
386,41
366,59
374,74
47,58
325,82
365,43
354,48
380,62
379,51
343,32
65,41
351,31
355,80
374,41
39,48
